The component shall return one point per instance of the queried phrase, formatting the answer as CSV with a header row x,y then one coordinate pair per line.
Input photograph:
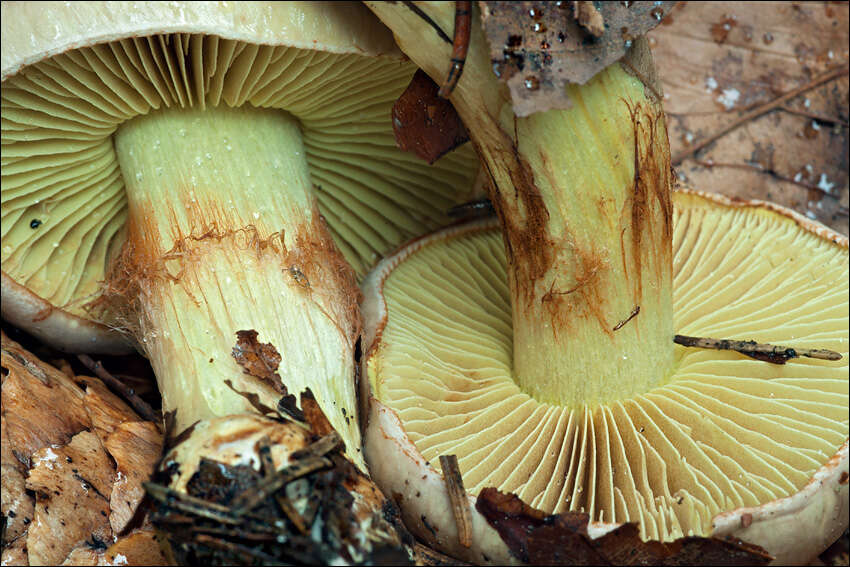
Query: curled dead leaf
x,y
257,359
558,539
424,123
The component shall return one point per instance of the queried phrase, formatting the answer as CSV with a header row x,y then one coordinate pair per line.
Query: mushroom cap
x,y
727,446
73,72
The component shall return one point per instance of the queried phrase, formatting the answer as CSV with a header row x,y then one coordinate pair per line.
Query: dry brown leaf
x,y
58,435
15,553
41,405
562,539
136,447
106,410
539,47
424,123
257,359
72,484
15,504
719,61
140,547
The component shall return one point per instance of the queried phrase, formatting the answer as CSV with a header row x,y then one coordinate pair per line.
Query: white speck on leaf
x,y
823,183
729,97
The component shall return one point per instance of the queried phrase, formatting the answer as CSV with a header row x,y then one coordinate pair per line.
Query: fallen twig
x,y
768,353
458,498
759,110
129,394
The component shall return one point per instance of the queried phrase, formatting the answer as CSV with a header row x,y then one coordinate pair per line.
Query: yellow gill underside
x,y
60,174
725,431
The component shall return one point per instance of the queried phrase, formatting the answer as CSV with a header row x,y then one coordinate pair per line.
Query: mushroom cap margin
x,y
33,31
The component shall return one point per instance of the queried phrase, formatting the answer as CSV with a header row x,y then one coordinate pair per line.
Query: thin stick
x,y
766,352
460,45
282,501
129,394
815,116
418,11
459,500
190,504
759,110
259,492
472,209
631,316
762,169
320,447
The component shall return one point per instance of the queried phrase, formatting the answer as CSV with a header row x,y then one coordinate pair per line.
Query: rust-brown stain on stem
x,y
146,258
652,182
525,219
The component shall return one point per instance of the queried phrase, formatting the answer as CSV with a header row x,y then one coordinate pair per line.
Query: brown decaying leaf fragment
x,y
258,359
424,123
537,48
540,539
314,416
588,17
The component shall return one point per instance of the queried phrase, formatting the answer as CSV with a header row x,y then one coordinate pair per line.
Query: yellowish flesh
x,y
725,431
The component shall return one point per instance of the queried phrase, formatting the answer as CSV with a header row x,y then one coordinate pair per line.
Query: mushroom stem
x,y
584,199
224,236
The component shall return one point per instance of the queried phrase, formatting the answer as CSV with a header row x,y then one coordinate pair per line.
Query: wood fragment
x,y
472,209
766,352
319,448
248,500
631,316
129,394
460,45
458,497
264,449
778,102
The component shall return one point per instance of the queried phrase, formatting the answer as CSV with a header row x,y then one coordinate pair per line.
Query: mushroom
x,y
550,368
161,169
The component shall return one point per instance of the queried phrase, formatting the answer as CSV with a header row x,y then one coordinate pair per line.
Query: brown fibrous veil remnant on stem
x,y
760,351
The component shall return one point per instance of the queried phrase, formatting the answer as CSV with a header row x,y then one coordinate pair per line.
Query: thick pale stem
x,y
224,237
584,199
